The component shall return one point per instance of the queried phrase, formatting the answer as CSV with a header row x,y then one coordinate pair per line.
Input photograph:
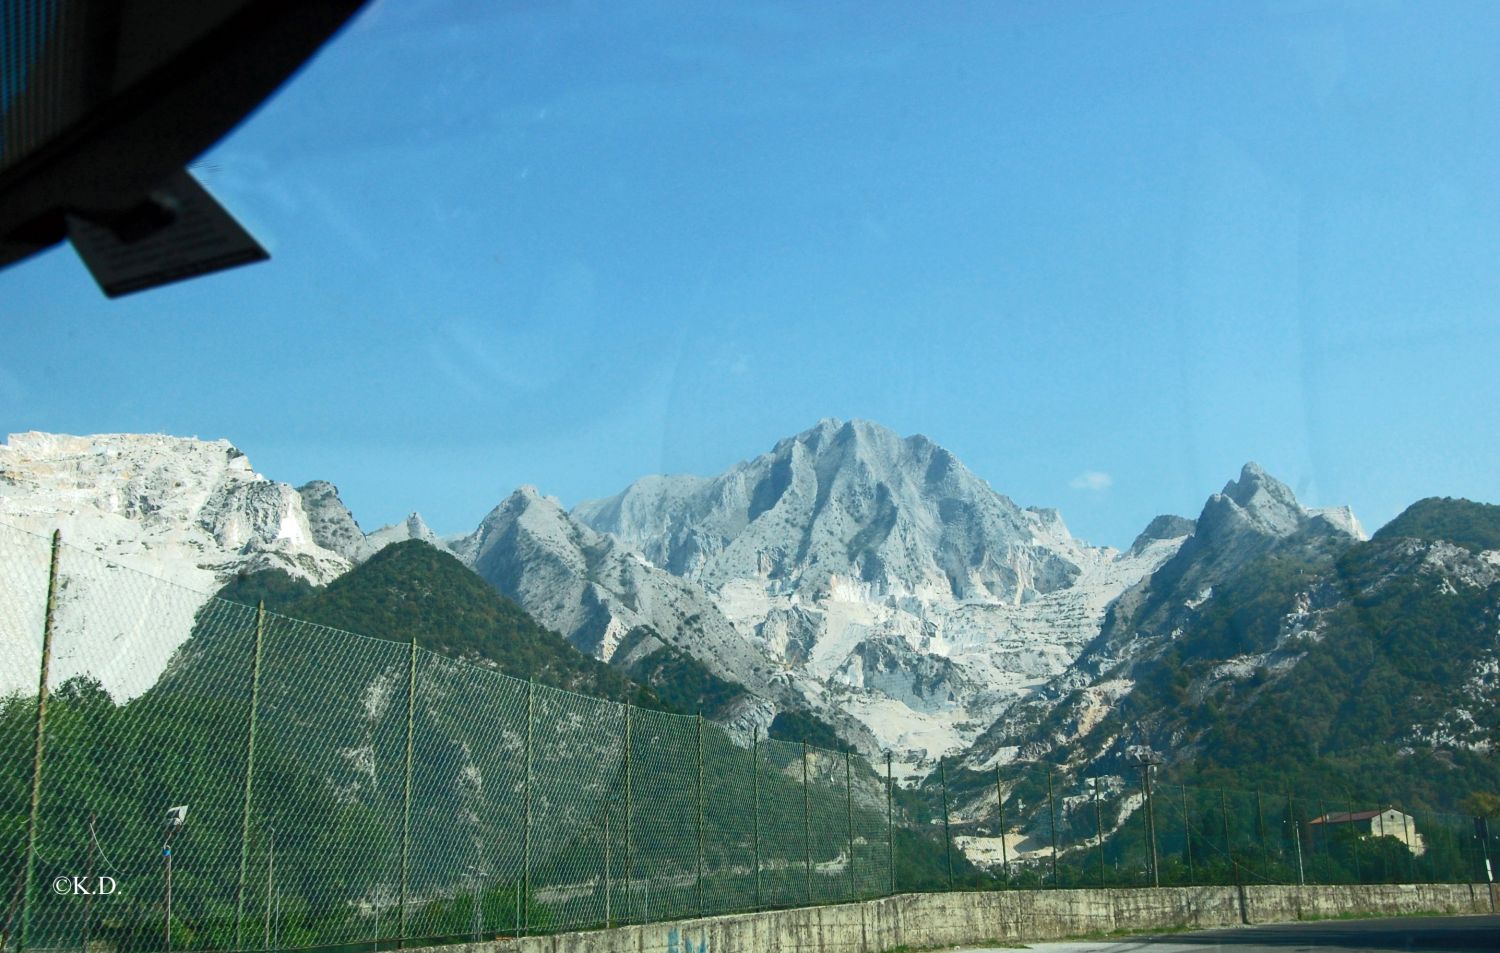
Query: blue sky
x,y
1105,253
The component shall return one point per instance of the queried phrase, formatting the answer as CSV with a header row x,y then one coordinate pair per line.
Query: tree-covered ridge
x,y
802,725
679,680
413,590
1474,526
331,775
1362,672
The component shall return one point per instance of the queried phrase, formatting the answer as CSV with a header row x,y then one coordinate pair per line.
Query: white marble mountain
x,y
185,514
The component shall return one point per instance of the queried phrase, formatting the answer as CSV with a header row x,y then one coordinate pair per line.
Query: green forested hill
x,y
412,590
1474,526
1364,673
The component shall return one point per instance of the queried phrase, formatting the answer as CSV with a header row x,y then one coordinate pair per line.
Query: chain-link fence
x,y
1066,830
349,792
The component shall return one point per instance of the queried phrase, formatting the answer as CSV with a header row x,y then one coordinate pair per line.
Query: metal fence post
x,y
268,937
1291,812
239,905
849,810
1000,807
411,721
88,877
1187,835
1260,831
700,813
806,829
1323,823
1098,830
755,807
947,836
33,818
1052,818
608,920
1411,858
1359,876
1482,830
629,804
1151,824
1234,868
890,823
526,842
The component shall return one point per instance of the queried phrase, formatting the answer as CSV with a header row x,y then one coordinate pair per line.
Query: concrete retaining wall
x,y
919,921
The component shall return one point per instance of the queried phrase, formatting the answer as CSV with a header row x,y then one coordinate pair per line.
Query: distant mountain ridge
x,y
870,585
411,590
334,527
605,598
1279,648
849,500
887,583
186,513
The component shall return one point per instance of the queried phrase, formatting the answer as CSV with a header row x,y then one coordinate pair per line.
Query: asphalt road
x,y
1428,934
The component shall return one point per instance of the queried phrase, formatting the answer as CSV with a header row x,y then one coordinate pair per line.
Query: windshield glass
x,y
1104,254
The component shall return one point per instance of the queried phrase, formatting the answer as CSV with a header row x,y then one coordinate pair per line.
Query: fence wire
x,y
343,791
1113,831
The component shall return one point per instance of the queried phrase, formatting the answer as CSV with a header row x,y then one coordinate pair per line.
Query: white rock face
x,y
1343,519
334,527
887,581
595,590
186,513
1252,516
413,527
841,504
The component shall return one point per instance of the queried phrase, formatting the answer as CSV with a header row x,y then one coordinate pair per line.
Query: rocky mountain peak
x,y
1165,526
413,527
332,525
884,579
122,493
187,513
1256,503
597,591
845,500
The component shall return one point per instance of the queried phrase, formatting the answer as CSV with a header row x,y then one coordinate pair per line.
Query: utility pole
x,y
175,818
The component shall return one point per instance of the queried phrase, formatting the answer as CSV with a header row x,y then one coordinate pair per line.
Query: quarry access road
x,y
1426,934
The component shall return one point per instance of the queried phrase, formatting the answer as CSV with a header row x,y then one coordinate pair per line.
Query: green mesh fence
x,y
346,792
1108,832
349,792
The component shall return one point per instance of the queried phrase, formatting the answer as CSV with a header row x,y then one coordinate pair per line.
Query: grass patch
x,y
1373,915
